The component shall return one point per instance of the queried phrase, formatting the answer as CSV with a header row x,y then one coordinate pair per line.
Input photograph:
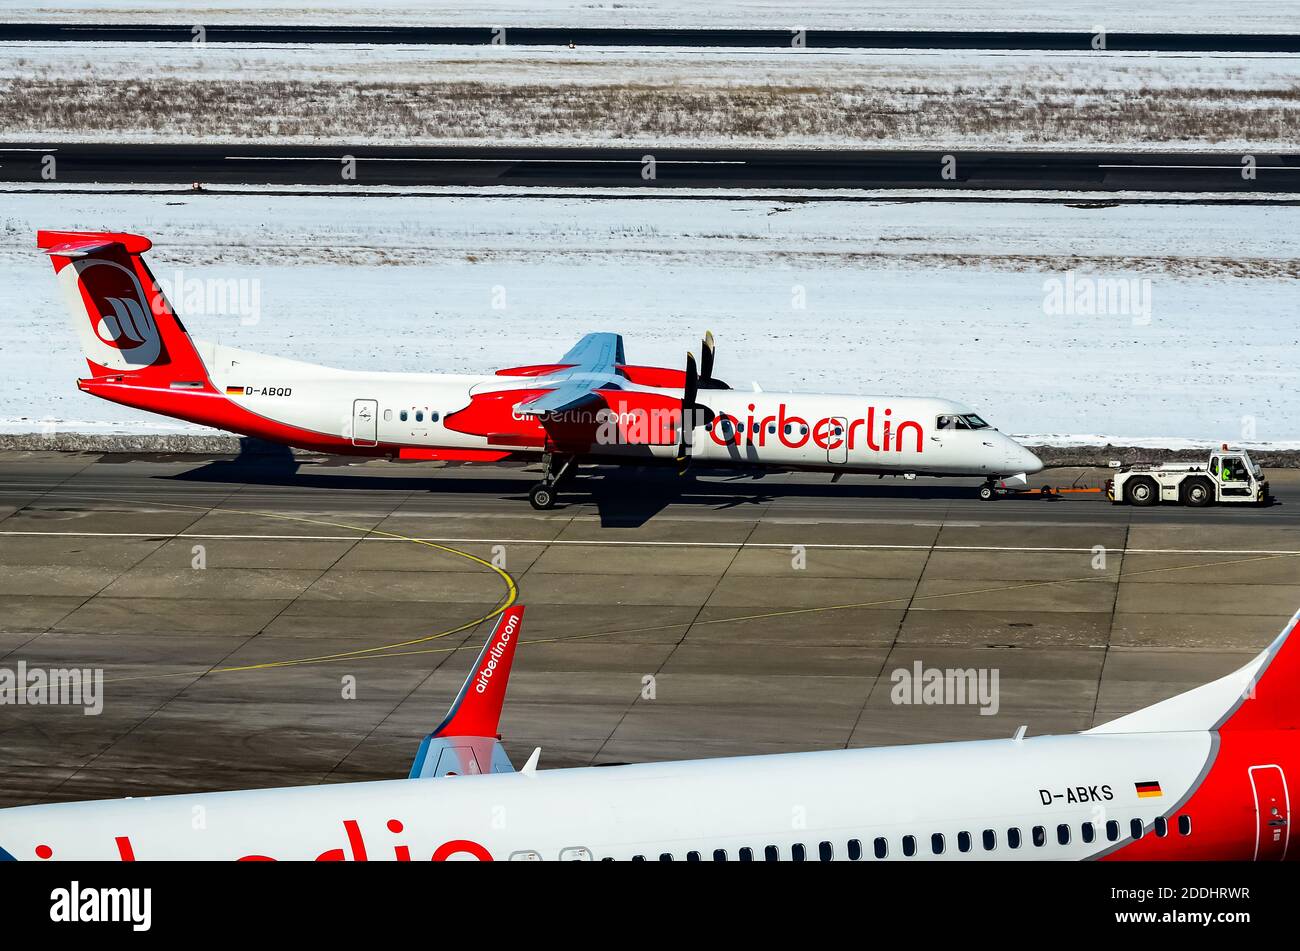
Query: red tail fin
x,y
1263,695
123,320
477,709
1272,699
465,742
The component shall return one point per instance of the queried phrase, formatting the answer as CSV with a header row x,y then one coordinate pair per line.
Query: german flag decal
x,y
234,391
1147,790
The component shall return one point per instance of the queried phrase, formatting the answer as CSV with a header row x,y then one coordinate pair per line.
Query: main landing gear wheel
x,y
542,497
987,492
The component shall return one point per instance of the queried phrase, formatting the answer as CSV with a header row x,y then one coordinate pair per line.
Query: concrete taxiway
x,y
269,622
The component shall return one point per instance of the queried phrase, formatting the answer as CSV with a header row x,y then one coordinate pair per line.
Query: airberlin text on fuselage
x,y
795,431
355,851
877,431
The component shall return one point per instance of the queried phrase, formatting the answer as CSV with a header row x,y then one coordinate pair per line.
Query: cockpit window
x,y
952,422
974,422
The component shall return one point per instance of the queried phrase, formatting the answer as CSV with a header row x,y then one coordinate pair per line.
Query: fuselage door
x,y
365,422
837,441
1272,813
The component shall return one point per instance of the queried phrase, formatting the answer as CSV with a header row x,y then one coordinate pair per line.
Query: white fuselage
x,y
891,800
788,430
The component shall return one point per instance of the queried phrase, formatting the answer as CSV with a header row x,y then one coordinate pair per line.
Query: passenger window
x,y
1162,826
825,852
419,415
433,417
1087,832
692,856
990,840
1063,834
881,847
1135,828
1184,825
1112,831
797,852
719,855
1039,836
402,415
1013,838
771,854
638,858
854,850
936,843
388,415
788,428
745,855
527,855
963,841
909,845
771,430
665,856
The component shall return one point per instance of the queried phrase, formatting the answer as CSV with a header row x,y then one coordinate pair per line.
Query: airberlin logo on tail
x,y
123,333
127,327
494,655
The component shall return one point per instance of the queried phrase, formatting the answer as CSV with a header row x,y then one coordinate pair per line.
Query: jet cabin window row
x,y
965,842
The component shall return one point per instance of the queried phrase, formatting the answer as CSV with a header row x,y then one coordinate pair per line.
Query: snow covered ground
x,y
1190,16
951,298
648,97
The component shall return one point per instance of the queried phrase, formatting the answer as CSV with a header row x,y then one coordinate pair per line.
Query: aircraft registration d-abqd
x,y
1202,775
589,406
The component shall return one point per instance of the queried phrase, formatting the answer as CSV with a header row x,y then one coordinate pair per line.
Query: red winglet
x,y
477,710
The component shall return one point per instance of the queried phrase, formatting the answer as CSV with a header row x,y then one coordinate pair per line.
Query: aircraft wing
x,y
596,353
566,396
592,363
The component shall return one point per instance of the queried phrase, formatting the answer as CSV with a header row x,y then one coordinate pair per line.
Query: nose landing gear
x,y
992,490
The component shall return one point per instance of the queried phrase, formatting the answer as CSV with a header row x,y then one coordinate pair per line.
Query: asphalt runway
x,y
811,169
233,605
691,38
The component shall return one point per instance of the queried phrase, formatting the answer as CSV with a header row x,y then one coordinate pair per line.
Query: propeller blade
x,y
689,393
706,356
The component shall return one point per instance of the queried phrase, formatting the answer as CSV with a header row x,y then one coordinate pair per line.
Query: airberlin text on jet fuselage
x,y
355,851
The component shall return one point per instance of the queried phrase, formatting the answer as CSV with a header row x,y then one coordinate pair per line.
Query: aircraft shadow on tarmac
x,y
623,497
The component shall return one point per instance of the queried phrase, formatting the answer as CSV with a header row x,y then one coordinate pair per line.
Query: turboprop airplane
x,y
1203,775
590,406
